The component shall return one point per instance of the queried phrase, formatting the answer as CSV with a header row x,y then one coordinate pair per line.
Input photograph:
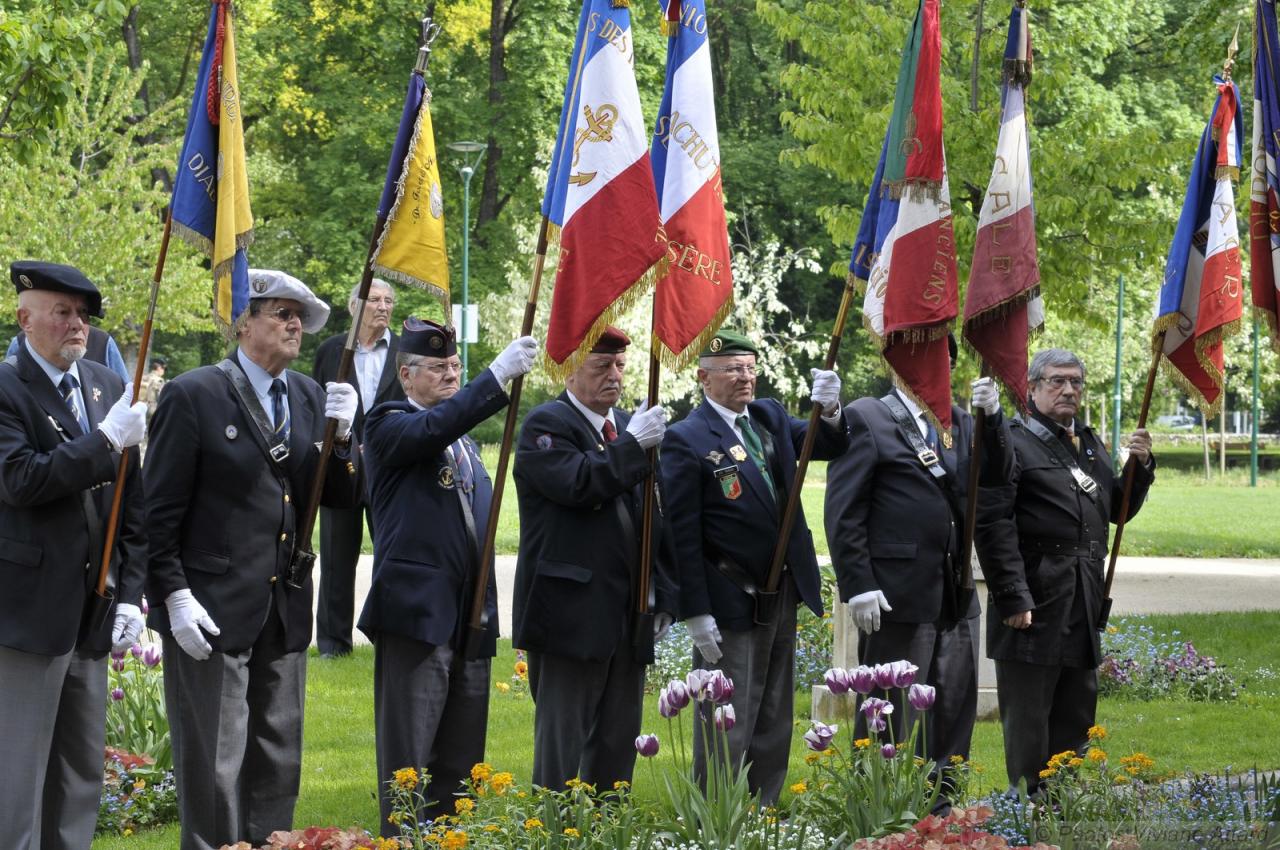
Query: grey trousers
x,y
586,718
431,710
1044,710
761,663
236,725
53,724
948,660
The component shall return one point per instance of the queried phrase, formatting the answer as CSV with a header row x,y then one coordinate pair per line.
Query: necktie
x,y
280,408
756,450
1075,441
610,432
68,387
930,434
466,475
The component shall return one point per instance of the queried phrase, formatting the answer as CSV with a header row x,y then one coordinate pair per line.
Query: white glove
x,y
865,609
706,636
186,618
661,625
340,402
125,422
515,360
127,627
648,424
826,390
986,396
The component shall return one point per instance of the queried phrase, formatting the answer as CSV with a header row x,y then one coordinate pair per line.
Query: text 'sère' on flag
x,y
1264,196
211,190
600,203
1002,306
1201,299
905,252
696,294
410,246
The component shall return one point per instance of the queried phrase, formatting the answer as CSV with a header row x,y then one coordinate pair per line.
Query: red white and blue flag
x,y
1202,299
696,294
1002,306
905,252
600,202
1264,200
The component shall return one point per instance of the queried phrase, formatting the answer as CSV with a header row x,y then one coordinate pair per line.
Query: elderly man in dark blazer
x,y
1042,538
233,451
63,421
728,467
375,378
431,702
579,470
895,509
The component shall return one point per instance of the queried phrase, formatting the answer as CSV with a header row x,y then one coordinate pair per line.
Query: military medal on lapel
x,y
715,456
446,477
738,453
97,394
729,483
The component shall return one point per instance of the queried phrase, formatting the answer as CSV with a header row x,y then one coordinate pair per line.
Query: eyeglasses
x,y
284,315
439,369
1060,381
735,371
381,300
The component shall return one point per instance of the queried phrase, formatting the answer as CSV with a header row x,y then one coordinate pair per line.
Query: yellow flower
x,y
127,832
621,785
1097,755
862,743
812,759
1120,777
521,795
395,818
1062,758
454,839
957,760
1047,772
522,669
406,778
533,823
1075,762
464,805
490,827
139,784
1111,630
481,772
386,844
501,782
571,832
799,788
504,687
1097,733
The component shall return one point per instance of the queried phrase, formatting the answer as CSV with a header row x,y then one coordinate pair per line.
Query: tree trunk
x,y
501,20
129,30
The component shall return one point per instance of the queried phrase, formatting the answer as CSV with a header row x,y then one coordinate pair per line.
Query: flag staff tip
x,y
1232,50
430,31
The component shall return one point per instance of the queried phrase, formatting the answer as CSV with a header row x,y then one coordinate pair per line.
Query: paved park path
x,y
1142,586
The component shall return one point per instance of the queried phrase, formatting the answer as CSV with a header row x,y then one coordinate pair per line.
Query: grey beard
x,y
72,353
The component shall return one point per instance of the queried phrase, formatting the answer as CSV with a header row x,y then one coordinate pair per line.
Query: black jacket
x,y
328,357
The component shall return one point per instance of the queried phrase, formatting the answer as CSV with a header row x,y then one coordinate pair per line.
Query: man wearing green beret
x,y
728,467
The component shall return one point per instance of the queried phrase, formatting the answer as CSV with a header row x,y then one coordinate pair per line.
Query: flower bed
x,y
1140,663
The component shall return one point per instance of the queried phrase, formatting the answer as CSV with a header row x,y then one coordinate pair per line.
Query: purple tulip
x,y
862,679
884,676
876,710
152,654
819,736
719,688
665,708
677,694
647,746
136,650
888,751
117,694
117,664
921,697
837,679
725,718
904,673
696,684
118,655
145,608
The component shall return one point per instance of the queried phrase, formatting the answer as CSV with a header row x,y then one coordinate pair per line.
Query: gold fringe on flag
x,y
1202,344
911,336
1269,319
678,360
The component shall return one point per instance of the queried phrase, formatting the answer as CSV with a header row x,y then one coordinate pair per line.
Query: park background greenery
x,y
94,96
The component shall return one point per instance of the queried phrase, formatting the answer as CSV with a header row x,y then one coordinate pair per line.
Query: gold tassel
x,y
622,4
676,361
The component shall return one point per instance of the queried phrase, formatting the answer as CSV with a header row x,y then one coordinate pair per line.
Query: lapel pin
x,y
231,432
97,394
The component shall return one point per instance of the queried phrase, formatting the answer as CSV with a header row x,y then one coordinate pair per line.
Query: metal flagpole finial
x,y
430,31
1232,50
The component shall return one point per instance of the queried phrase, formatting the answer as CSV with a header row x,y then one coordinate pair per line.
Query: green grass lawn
x,y
338,773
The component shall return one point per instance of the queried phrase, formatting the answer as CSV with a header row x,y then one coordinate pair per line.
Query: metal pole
x,y
467,172
1116,404
1253,428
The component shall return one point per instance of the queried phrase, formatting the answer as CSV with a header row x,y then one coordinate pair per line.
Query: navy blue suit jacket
x,y
424,559
710,521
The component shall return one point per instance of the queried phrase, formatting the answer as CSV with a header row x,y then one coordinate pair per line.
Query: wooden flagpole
x,y
971,502
642,631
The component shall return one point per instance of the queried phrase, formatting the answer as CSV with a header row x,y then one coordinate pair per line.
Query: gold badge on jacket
x,y
738,453
446,476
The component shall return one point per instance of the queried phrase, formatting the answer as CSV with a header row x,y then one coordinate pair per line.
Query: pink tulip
x,y
117,694
647,746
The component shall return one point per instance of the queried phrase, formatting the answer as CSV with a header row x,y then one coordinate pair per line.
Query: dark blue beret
x,y
55,277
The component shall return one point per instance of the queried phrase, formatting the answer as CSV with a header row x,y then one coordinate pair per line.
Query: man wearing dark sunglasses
x,y
233,451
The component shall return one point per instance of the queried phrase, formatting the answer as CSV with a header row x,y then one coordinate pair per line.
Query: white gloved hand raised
x,y
186,618
661,625
826,390
865,609
515,360
125,422
127,626
986,396
340,402
648,424
706,636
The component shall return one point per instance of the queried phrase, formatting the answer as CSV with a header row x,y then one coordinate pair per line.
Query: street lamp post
x,y
467,170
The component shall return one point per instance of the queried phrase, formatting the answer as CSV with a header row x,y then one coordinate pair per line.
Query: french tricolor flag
x,y
1201,299
600,201
1002,305
905,253
696,294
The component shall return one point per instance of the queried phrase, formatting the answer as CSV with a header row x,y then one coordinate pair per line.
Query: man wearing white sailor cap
x,y
233,451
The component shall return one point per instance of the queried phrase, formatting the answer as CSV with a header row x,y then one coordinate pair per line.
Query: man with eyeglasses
x,y
233,451
728,467
63,423
895,510
431,702
374,376
579,471
1042,539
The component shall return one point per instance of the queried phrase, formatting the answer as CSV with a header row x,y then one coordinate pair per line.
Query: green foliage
x,y
136,794
136,719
